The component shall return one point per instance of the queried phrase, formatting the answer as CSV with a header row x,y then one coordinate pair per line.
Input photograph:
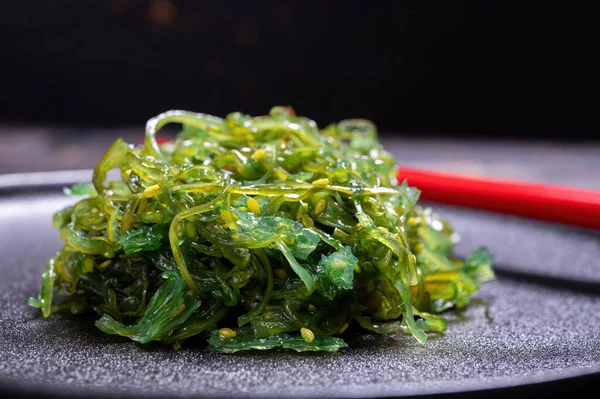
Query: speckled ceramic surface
x,y
545,304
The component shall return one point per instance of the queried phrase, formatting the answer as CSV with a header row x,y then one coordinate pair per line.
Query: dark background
x,y
447,68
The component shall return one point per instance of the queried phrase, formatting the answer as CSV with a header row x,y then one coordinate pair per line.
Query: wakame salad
x,y
256,233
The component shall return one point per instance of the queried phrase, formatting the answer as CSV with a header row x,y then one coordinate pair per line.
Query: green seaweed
x,y
260,233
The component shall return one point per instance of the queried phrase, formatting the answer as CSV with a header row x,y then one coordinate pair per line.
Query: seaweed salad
x,y
256,233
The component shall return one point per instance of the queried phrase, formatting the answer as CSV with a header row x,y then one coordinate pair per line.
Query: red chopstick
x,y
552,203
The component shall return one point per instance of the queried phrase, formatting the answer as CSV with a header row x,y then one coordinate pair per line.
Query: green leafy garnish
x,y
258,232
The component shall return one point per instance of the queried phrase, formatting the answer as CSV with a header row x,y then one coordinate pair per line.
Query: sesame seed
x,y
253,206
151,191
320,207
226,333
259,154
307,334
321,182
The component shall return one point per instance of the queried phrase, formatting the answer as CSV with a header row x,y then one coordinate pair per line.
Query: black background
x,y
451,68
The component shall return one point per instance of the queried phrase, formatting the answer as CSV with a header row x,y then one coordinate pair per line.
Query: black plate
x,y
545,304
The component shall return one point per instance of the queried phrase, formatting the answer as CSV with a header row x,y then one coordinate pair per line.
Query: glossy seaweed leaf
x,y
335,272
300,240
44,299
81,189
145,238
478,265
168,309
245,340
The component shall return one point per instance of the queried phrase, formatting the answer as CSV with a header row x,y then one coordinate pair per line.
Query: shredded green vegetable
x,y
257,233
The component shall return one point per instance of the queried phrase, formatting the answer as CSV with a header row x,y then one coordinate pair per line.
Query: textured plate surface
x,y
545,305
